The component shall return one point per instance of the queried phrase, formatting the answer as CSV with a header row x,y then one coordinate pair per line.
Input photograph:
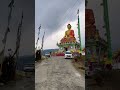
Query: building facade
x,y
96,47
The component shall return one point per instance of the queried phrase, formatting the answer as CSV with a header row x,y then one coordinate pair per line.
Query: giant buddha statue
x,y
69,35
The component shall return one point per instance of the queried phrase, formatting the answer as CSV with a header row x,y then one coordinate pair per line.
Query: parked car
x,y
76,54
68,54
47,55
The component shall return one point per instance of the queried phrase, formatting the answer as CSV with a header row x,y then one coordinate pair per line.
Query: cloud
x,y
54,16
51,40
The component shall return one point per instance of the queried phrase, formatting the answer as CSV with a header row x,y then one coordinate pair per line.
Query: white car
x,y
68,54
47,55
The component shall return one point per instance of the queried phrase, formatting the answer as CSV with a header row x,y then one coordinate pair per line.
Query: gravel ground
x,y
56,73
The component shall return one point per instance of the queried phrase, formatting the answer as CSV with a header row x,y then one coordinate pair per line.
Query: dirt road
x,y
56,73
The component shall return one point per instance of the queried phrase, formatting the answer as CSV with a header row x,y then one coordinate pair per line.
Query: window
x,y
68,52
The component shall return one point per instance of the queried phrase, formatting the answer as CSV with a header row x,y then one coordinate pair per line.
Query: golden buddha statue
x,y
69,36
69,33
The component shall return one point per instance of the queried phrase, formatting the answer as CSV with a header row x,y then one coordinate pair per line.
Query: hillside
x,y
49,50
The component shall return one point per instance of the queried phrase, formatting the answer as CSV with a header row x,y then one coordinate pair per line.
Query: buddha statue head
x,y
69,26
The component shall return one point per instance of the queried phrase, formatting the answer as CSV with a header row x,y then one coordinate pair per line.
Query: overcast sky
x,y
28,30
54,15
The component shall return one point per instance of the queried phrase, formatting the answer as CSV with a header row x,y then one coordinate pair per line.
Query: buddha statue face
x,y
69,26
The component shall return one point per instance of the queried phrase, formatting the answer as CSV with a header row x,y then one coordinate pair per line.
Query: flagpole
x,y
11,5
106,20
38,36
19,37
9,19
41,50
79,32
42,41
7,30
